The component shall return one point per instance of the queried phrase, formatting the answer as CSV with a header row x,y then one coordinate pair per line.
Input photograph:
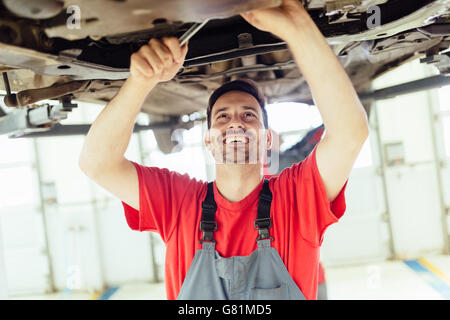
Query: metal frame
x,y
432,82
82,129
37,166
382,167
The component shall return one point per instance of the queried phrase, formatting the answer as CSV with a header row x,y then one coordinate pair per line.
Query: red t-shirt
x,y
170,204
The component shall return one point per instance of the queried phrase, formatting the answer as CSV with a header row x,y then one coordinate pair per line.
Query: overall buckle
x,y
264,234
262,223
208,226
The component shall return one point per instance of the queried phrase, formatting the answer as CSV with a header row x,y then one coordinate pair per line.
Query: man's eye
x,y
223,115
249,114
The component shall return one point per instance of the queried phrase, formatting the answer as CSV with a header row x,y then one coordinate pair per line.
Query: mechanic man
x,y
259,239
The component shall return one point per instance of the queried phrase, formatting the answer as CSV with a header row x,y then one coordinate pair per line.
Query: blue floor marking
x,y
108,293
433,280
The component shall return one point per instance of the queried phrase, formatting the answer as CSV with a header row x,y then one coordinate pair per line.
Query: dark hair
x,y
244,85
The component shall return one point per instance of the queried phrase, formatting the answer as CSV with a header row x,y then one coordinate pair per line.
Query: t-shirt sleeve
x,y
161,193
313,212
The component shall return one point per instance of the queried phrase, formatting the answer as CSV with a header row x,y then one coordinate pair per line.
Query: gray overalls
x,y
259,276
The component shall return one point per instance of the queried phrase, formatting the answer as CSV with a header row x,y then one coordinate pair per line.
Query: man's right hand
x,y
157,61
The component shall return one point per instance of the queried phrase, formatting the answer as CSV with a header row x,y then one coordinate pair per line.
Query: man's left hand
x,y
281,21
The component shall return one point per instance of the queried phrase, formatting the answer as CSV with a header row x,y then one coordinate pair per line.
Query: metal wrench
x,y
191,31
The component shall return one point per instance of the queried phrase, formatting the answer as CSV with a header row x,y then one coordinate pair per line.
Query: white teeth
x,y
235,139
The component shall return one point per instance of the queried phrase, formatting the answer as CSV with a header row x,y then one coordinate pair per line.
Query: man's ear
x,y
208,139
269,139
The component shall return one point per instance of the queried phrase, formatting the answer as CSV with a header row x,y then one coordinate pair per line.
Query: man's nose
x,y
235,123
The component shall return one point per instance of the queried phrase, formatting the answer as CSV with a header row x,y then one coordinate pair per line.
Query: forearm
x,y
109,135
333,92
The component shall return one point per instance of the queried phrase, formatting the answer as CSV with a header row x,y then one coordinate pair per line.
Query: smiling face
x,y
237,134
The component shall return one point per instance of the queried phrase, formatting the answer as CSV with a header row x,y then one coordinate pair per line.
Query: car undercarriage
x,y
80,50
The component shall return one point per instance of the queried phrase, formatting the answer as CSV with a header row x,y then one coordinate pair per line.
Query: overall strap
x,y
208,223
263,222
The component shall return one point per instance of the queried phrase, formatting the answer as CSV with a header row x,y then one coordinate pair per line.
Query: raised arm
x,y
102,157
342,112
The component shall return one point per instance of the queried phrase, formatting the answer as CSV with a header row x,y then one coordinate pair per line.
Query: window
x,y
294,120
190,159
15,151
290,116
18,187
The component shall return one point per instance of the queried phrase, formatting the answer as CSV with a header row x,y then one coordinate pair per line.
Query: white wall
x,y
23,235
413,207
362,234
91,244
413,187
440,99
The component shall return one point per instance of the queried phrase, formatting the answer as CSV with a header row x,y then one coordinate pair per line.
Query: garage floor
x,y
426,278
423,279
